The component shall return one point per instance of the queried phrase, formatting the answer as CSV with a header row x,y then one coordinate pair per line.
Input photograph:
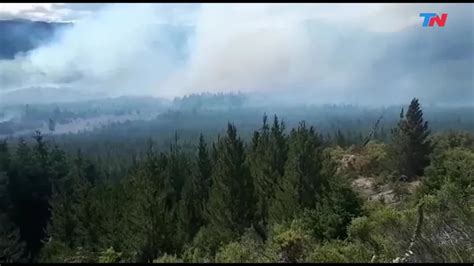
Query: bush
x,y
250,248
110,256
385,231
448,225
81,255
55,252
455,165
166,258
334,211
377,159
292,242
207,242
338,251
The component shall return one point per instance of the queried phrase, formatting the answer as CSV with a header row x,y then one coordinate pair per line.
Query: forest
x,y
201,181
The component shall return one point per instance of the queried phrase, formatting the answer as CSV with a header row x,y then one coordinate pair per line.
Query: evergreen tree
x,y
64,224
71,213
340,139
151,208
304,177
30,189
195,194
266,160
213,154
279,143
230,205
4,156
178,168
58,164
411,147
260,166
11,246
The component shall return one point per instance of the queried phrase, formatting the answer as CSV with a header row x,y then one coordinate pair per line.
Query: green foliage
x,y
411,146
55,251
339,139
339,251
230,205
250,248
195,195
440,232
303,179
333,212
267,159
208,240
448,227
195,255
283,198
12,249
109,256
81,255
31,171
378,158
11,246
383,232
151,214
336,153
452,139
292,241
455,165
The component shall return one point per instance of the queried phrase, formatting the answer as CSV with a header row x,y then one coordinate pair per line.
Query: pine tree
x,y
195,195
64,224
151,208
230,205
260,166
411,147
204,168
213,153
11,246
266,160
304,177
30,189
279,143
70,205
178,167
340,139
4,156
58,165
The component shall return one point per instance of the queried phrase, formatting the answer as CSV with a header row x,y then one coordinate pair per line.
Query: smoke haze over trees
x,y
174,50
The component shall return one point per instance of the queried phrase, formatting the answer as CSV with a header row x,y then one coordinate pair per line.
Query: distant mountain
x,y
41,95
20,35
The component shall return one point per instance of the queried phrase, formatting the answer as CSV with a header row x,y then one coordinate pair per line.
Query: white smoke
x,y
123,49
113,50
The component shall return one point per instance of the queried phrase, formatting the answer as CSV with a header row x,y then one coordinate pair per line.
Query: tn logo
x,y
432,18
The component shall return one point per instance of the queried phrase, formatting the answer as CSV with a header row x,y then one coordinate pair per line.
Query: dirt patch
x,y
385,196
412,186
366,187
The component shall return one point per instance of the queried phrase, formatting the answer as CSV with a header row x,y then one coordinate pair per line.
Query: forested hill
x,y
20,35
286,194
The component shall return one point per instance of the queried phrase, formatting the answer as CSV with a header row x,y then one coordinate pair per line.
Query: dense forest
x,y
367,189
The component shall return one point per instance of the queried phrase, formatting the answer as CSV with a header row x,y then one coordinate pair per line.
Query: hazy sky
x,y
326,52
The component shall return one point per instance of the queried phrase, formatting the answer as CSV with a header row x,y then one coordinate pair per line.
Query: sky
x,y
364,53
